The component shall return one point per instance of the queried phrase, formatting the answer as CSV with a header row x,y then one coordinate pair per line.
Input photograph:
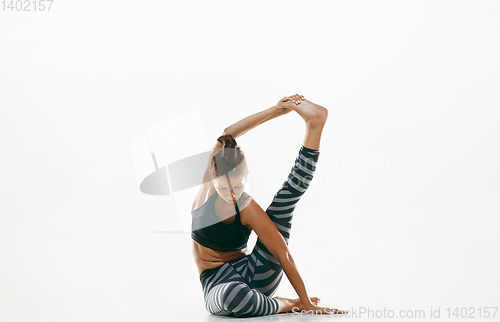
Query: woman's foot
x,y
313,114
287,305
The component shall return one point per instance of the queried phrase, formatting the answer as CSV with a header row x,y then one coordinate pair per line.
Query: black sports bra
x,y
208,230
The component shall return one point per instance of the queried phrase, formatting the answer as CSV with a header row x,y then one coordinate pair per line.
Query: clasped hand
x,y
287,104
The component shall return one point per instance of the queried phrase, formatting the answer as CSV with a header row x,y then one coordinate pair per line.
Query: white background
x,y
402,213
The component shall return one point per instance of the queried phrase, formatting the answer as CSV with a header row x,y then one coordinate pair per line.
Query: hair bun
x,y
227,159
227,141
229,146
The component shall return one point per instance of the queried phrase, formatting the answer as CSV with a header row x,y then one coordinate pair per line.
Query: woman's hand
x,y
286,104
323,310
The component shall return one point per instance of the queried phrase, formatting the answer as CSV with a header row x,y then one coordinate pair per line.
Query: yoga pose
x,y
234,283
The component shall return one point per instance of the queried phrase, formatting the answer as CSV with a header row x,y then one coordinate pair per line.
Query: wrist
x,y
269,113
272,110
306,302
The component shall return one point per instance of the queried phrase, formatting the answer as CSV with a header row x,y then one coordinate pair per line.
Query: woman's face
x,y
223,187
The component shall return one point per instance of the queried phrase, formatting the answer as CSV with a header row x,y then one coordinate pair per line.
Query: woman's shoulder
x,y
246,195
245,200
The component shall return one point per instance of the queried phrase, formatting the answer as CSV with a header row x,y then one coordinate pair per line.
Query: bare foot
x,y
287,305
313,114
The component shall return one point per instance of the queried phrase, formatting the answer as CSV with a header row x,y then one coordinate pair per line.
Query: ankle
x,y
320,117
283,304
316,124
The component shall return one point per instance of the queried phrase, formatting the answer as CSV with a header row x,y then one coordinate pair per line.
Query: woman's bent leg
x,y
226,292
239,300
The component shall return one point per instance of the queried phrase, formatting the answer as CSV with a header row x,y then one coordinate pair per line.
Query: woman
x,y
234,283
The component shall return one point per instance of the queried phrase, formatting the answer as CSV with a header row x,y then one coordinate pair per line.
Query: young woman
x,y
234,283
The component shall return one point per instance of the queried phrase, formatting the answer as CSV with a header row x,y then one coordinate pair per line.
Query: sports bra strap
x,y
237,208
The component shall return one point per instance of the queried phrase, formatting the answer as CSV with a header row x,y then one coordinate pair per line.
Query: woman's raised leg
x,y
265,272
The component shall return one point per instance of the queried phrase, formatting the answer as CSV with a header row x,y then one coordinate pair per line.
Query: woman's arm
x,y
243,126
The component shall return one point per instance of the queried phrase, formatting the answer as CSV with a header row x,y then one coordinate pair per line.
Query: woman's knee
x,y
243,301
233,294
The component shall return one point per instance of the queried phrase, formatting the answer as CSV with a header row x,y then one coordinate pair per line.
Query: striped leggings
x,y
243,287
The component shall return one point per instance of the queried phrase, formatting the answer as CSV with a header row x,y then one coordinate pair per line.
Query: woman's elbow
x,y
284,256
227,131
